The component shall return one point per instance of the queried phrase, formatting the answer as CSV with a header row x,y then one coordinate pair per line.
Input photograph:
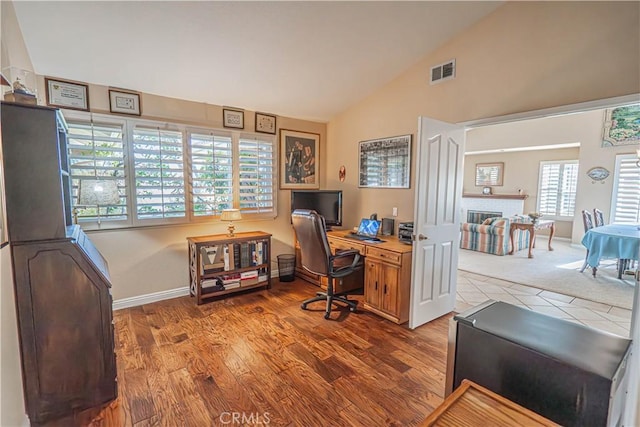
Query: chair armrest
x,y
344,269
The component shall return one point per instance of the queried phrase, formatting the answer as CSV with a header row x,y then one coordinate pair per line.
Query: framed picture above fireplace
x,y
489,174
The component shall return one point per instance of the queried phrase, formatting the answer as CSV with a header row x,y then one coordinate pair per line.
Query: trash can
x,y
286,267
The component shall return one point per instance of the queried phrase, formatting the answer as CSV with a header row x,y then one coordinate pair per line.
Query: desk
x,y
387,273
532,228
474,405
619,241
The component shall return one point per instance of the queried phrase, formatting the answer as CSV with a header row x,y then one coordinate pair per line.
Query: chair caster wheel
x,y
303,306
352,309
327,315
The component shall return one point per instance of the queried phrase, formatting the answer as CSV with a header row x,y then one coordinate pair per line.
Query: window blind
x,y
557,188
158,164
625,203
211,173
256,175
96,151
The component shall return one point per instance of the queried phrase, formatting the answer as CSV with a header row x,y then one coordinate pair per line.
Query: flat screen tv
x,y
327,203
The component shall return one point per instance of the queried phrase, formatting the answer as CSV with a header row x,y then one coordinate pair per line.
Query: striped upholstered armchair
x,y
492,236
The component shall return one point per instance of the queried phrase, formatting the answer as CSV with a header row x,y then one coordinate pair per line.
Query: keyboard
x,y
361,237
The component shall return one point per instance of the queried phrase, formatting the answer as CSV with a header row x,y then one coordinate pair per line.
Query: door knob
x,y
422,237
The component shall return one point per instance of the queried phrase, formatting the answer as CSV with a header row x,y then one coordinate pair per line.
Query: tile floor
x,y
474,288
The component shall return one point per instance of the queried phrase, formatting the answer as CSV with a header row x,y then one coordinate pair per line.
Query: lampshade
x,y
231,215
4,81
94,192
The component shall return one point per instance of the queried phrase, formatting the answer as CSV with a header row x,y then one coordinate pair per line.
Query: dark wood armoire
x,y
61,280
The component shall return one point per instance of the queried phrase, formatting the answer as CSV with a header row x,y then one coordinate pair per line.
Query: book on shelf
x,y
232,286
248,278
236,255
245,255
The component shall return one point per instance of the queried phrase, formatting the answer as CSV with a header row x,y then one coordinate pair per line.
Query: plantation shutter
x,y
625,204
159,173
211,173
557,189
256,175
96,152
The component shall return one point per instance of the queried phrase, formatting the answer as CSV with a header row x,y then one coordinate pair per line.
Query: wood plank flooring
x,y
258,359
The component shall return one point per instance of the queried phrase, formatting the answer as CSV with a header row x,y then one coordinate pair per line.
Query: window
x,y
158,165
257,176
625,201
96,152
211,173
169,173
557,188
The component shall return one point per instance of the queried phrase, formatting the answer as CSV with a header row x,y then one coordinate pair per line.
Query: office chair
x,y
316,257
598,217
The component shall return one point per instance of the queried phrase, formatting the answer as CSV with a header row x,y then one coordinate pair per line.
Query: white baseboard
x,y
158,296
149,298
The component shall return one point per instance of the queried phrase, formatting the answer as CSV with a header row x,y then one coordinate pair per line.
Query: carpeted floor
x,y
556,271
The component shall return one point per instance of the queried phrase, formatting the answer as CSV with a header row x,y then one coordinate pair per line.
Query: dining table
x,y
617,241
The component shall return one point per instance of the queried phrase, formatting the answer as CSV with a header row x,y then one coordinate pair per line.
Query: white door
x,y
436,220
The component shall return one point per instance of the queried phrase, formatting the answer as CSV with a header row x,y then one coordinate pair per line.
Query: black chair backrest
x,y
598,217
312,237
587,220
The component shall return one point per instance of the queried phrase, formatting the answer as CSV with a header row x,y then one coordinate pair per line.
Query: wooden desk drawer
x,y
384,255
345,245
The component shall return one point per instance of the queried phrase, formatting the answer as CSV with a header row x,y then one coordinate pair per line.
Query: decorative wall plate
x,y
598,173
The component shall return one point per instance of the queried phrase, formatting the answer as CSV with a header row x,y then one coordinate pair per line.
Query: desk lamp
x,y
231,215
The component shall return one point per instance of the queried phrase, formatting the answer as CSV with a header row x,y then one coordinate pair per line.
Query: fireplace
x,y
478,217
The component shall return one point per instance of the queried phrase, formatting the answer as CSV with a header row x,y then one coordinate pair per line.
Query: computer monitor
x,y
327,203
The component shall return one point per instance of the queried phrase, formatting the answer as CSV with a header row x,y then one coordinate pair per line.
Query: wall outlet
x,y
394,212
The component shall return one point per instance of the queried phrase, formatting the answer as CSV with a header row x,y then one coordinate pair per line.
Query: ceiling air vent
x,y
441,72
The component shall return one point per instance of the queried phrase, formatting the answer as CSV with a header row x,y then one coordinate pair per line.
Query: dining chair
x,y
598,217
587,221
316,257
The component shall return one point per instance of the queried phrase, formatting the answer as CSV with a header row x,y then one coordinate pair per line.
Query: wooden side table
x,y
532,228
474,405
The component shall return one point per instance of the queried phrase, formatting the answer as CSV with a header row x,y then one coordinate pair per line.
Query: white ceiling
x,y
308,60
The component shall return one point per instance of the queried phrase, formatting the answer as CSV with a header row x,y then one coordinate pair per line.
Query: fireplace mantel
x,y
497,196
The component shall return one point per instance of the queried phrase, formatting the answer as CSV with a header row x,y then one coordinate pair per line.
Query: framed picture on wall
x,y
232,118
124,102
385,162
489,174
65,94
299,154
265,123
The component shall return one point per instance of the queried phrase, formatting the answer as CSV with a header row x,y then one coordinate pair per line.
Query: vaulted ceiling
x,y
308,60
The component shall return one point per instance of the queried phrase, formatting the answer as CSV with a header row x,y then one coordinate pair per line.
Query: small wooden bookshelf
x,y
221,264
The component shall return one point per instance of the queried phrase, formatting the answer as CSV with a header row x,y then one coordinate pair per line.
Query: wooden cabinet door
x,y
372,284
390,277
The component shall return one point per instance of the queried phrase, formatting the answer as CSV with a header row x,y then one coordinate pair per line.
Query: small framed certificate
x,y
265,123
233,118
124,102
65,94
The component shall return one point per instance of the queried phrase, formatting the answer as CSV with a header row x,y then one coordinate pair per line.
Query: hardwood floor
x,y
257,358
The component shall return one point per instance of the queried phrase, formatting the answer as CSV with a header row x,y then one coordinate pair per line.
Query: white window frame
x,y
553,162
128,125
616,177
